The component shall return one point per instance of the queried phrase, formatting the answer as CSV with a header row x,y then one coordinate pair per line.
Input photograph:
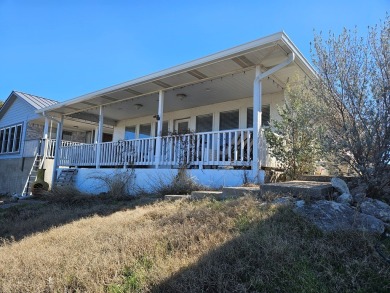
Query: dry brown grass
x,y
204,246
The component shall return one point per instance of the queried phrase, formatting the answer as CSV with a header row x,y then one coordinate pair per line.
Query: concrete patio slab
x,y
311,189
206,194
235,192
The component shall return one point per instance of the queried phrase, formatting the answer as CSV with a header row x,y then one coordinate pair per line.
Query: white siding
x,y
19,112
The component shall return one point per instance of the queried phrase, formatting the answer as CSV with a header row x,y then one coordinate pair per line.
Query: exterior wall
x,y
13,182
79,136
34,131
18,112
242,104
145,179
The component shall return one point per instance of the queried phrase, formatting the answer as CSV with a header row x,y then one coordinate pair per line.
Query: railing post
x,y
160,117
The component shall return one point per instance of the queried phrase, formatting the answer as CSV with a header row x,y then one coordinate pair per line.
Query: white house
x,y
206,114
21,137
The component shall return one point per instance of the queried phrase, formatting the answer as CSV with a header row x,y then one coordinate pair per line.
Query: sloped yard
x,y
201,246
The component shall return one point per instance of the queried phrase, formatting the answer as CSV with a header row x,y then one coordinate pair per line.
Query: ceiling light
x,y
181,96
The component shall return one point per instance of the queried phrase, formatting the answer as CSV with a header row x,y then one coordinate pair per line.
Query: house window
x,y
204,123
228,120
265,117
130,132
67,135
10,138
1,139
17,138
164,129
145,130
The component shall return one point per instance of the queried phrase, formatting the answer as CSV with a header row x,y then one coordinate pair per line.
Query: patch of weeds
x,y
73,284
133,278
181,184
243,223
131,282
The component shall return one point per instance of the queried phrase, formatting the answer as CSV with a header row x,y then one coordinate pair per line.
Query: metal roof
x,y
35,101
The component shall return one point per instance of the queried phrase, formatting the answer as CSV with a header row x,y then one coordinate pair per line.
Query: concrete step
x,y
175,197
311,189
235,192
206,194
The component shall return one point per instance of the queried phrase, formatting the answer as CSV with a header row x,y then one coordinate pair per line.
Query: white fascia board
x,y
298,53
174,70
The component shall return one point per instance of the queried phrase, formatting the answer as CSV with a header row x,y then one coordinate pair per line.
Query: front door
x,y
182,126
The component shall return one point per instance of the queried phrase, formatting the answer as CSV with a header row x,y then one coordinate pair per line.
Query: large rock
x,y
376,208
340,185
332,216
344,198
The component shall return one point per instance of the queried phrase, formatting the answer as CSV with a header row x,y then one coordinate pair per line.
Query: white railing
x,y
51,146
217,148
128,152
78,155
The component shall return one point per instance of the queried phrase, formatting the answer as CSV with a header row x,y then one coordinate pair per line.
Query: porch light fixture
x,y
181,96
138,106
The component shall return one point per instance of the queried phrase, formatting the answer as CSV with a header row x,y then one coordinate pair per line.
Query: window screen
x,y
1,139
228,120
5,150
145,130
67,135
204,123
130,132
265,117
10,139
164,129
17,137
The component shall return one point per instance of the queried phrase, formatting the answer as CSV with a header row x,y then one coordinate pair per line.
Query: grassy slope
x,y
234,246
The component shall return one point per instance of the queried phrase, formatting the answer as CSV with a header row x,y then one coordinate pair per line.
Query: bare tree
x,y
353,83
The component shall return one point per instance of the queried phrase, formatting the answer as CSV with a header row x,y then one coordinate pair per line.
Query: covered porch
x,y
205,114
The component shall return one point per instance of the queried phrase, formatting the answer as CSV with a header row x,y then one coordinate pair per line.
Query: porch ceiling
x,y
224,76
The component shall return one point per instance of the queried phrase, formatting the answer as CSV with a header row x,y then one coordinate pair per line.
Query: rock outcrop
x,y
331,216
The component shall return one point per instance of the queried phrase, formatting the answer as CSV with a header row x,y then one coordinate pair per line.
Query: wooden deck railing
x,y
51,145
216,148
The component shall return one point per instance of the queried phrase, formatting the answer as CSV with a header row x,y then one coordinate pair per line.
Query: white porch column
x,y
99,137
45,137
46,128
160,120
257,101
57,153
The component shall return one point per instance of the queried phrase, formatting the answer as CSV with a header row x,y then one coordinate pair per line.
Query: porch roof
x,y
238,61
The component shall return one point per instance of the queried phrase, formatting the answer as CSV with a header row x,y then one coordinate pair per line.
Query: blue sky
x,y
64,49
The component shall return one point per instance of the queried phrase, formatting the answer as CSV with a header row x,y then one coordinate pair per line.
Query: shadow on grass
x,y
21,220
283,253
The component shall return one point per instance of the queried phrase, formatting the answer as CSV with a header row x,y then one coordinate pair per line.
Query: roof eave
x,y
174,70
